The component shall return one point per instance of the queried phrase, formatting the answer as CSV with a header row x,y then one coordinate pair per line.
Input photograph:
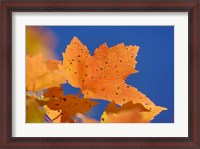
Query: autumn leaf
x,y
40,40
41,74
67,106
34,112
103,75
130,113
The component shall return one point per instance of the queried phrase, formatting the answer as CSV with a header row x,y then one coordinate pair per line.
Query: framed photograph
x,y
100,74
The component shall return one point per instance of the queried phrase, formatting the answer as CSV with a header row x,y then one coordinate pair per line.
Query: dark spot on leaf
x,y
102,119
57,104
64,99
116,93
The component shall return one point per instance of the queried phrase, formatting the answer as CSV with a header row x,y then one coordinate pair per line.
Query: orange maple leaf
x,y
102,76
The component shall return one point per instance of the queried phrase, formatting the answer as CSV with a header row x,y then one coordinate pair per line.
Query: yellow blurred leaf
x,y
34,112
40,40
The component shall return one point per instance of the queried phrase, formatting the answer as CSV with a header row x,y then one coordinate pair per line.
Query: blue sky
x,y
155,59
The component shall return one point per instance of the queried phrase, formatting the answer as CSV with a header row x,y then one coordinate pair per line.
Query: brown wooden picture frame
x,y
190,6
